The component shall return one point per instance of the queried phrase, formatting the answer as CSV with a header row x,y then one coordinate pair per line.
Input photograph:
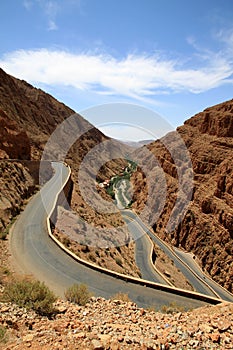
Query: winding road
x,y
188,259
202,283
34,252
143,253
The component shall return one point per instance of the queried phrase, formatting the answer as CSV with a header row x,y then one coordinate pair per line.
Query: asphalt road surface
x,y
192,272
143,252
188,259
35,253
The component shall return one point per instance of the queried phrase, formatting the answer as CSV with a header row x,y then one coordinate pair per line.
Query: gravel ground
x,y
114,324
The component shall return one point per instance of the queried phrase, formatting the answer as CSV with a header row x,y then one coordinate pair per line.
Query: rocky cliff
x,y
28,117
207,227
14,143
16,182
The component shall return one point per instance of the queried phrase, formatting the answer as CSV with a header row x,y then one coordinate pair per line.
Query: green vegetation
x,y
4,271
129,170
130,204
2,334
119,261
33,295
121,296
171,308
132,165
4,233
110,191
78,294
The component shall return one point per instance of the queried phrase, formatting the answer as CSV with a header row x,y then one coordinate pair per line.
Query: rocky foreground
x,y
114,324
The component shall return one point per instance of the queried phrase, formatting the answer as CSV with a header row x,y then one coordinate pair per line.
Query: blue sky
x,y
174,57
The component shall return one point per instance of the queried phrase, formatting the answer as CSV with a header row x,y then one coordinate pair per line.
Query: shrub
x,y
173,307
3,235
92,257
119,261
153,308
2,334
5,271
32,295
78,294
66,242
97,253
121,296
111,192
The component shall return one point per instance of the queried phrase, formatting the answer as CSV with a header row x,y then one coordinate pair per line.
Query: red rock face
x,y
207,228
33,111
28,117
14,143
215,120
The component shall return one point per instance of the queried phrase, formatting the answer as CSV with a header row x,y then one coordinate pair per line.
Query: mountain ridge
x,y
207,227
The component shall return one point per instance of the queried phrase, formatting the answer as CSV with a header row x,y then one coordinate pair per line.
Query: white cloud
x,y
226,37
52,25
27,4
53,8
50,9
135,76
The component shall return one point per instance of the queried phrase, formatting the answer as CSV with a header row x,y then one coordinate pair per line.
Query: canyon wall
x,y
207,227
